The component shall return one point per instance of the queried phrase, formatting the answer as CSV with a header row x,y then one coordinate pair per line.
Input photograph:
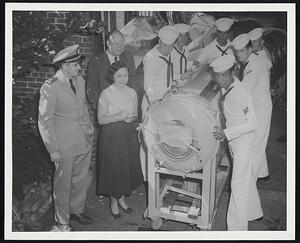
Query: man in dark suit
x,y
98,66
97,71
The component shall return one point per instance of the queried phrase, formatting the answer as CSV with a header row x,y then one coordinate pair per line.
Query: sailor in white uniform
x,y
220,46
158,74
257,42
180,53
237,107
255,78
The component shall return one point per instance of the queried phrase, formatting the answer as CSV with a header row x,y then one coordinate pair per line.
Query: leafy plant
x,y
36,39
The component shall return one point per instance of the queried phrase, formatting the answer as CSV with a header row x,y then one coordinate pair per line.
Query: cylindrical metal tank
x,y
178,129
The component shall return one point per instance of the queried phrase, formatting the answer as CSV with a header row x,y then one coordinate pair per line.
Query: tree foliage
x,y
36,39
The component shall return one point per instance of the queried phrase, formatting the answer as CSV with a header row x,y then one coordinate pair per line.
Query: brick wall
x,y
30,85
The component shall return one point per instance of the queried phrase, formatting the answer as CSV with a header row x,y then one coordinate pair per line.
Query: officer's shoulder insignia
x,y
246,110
51,80
249,71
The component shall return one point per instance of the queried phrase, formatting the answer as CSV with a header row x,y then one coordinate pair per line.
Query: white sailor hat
x,y
182,28
256,33
223,63
69,54
240,41
168,34
224,24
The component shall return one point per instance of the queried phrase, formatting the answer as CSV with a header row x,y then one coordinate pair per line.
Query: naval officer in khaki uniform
x,y
67,133
240,123
255,77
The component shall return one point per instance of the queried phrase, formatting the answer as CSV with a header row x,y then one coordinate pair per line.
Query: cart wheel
x,y
156,223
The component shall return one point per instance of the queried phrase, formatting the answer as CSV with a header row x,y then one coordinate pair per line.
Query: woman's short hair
x,y
114,67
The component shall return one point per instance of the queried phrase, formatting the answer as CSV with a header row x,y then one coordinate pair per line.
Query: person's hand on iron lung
x,y
218,133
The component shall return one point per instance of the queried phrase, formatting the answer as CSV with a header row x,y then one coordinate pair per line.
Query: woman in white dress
x,y
119,169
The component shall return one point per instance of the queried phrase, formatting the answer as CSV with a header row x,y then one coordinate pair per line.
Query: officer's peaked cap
x,y
69,54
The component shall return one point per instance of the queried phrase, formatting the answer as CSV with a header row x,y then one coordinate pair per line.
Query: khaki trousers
x,y
70,186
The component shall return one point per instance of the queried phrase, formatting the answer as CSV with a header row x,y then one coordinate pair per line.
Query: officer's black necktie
x,y
169,69
72,85
116,59
182,57
221,108
224,52
241,71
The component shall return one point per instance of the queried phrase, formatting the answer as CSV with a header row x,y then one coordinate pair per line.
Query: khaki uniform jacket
x,y
64,121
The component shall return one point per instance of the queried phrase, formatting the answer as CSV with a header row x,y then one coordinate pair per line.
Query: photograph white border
x,y
289,234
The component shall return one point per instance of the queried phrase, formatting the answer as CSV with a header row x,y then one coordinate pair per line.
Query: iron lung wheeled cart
x,y
186,166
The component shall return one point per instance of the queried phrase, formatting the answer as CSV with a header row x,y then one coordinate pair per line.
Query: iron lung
x,y
177,130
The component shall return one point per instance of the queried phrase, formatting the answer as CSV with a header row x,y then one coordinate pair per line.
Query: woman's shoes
x,y
127,210
115,215
116,203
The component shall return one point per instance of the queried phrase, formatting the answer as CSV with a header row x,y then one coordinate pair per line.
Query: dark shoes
x,y
115,215
81,218
118,215
127,210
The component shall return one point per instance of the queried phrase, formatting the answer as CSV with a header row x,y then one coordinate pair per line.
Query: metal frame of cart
x,y
213,177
